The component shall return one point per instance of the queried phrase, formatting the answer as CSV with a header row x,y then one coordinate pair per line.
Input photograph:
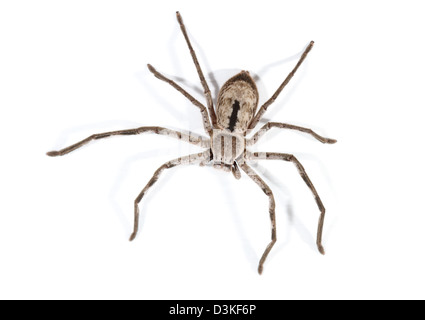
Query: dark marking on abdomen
x,y
234,116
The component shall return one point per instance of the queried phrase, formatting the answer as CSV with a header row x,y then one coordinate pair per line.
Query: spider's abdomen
x,y
237,102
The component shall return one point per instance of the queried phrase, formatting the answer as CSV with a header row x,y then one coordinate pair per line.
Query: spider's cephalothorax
x,y
225,147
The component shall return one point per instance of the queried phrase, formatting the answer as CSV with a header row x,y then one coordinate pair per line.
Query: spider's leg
x,y
207,91
189,159
304,176
193,139
266,189
270,125
235,170
204,112
264,107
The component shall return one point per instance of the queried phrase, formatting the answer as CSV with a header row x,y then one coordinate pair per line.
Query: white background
x,y
70,69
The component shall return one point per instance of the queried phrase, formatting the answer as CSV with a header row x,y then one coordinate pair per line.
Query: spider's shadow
x,y
246,243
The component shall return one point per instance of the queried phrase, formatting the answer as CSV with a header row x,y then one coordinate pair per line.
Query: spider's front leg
x,y
197,158
264,107
202,109
207,91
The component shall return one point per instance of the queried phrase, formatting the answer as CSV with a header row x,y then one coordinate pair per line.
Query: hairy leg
x,y
270,125
264,107
304,176
266,189
207,91
193,139
204,112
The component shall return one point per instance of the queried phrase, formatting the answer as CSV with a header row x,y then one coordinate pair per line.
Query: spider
x,y
227,126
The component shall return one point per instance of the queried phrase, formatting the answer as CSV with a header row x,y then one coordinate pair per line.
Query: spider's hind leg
x,y
304,176
266,189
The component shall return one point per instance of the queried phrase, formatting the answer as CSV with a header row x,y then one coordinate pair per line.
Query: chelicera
x,y
226,146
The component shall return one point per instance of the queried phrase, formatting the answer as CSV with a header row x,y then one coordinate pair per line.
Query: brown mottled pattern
x,y
239,88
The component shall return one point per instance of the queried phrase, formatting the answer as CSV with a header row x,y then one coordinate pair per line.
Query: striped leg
x,y
288,78
196,158
193,139
280,125
301,170
207,91
204,112
266,189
